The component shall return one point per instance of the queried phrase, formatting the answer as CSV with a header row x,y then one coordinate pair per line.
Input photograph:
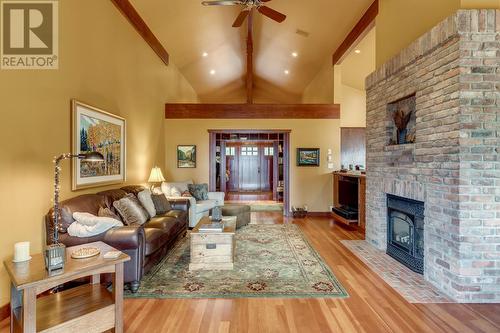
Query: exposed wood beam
x,y
142,28
249,82
252,111
359,30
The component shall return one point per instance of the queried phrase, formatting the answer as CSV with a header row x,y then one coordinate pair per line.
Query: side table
x,y
87,308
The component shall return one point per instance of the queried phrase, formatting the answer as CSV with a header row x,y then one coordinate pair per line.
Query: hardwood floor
x,y
249,196
373,306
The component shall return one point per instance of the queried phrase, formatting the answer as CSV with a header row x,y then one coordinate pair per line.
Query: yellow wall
x,y
399,23
320,89
475,4
103,62
311,186
353,107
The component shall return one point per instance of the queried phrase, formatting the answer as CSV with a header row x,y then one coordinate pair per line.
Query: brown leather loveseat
x,y
146,244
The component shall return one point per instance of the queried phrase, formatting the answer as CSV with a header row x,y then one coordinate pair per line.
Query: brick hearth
x,y
454,165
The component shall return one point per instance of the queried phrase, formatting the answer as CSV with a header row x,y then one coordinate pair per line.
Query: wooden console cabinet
x,y
361,179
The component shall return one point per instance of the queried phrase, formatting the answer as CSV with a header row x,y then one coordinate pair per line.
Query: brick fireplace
x,y
451,162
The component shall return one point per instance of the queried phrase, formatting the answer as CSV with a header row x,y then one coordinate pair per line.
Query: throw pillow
x,y
175,192
88,225
199,191
131,210
186,194
85,218
106,212
147,202
161,203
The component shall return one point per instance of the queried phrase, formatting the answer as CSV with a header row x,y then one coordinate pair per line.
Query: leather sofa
x,y
197,208
146,244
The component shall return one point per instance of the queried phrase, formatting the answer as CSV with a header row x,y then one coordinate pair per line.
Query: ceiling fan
x,y
248,6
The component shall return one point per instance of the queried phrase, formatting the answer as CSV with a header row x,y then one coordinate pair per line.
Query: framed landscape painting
x,y
99,131
186,156
308,157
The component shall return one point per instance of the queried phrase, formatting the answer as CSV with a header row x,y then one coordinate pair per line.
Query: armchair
x,y
197,208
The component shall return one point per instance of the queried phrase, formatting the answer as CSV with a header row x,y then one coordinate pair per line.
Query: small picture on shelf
x,y
308,157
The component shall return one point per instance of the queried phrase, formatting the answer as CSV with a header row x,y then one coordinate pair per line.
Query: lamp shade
x,y
156,176
92,156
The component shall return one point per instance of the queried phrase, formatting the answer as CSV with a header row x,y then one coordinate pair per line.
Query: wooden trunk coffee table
x,y
87,308
213,250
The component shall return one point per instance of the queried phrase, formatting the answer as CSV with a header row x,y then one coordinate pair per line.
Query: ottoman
x,y
242,212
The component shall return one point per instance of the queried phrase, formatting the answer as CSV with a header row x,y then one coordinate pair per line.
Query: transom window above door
x,y
249,151
230,151
268,151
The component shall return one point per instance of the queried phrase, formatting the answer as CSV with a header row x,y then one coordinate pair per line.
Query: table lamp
x,y
55,253
156,176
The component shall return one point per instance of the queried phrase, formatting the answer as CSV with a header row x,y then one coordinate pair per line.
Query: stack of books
x,y
212,227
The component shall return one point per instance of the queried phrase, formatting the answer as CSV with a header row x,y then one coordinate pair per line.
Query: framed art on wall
x,y
186,156
308,157
97,130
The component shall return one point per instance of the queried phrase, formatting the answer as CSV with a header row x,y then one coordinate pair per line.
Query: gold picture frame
x,y
94,129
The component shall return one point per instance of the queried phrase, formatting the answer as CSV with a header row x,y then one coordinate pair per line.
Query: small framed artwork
x,y
186,156
96,130
308,157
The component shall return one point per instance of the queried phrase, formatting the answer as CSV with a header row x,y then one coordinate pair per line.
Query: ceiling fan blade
x,y
240,19
222,3
272,14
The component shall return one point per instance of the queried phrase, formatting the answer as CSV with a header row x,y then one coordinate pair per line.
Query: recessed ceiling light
x,y
357,51
204,54
295,54
212,72
286,72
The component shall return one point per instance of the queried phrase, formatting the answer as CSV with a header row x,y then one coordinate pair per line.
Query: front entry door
x,y
250,168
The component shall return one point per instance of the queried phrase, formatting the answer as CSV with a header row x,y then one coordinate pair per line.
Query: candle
x,y
22,251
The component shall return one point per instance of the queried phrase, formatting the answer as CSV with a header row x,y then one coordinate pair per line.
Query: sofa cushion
x,y
114,195
106,212
178,214
205,205
147,202
161,204
199,191
134,189
131,210
88,203
161,222
166,188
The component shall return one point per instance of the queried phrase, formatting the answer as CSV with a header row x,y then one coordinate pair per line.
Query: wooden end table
x,y
213,250
87,308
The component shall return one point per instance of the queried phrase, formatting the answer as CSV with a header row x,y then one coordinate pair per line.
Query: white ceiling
x,y
187,29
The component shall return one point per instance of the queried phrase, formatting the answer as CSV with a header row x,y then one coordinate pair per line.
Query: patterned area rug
x,y
271,261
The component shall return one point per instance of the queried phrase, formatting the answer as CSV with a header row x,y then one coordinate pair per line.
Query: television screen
x,y
348,193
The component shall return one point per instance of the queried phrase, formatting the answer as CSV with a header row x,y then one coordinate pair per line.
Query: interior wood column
x,y
249,82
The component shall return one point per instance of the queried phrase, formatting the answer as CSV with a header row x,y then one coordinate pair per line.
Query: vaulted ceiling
x,y
187,30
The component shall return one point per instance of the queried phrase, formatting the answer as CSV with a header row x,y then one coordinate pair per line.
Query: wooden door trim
x,y
286,160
